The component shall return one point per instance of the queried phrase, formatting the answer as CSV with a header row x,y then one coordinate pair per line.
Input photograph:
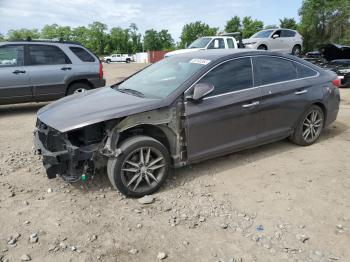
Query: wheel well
x,y
83,81
297,46
148,130
263,46
324,110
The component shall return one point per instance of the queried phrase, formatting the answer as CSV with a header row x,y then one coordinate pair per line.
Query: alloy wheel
x,y
312,126
79,90
143,169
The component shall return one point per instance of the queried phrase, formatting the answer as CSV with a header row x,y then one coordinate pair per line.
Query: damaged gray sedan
x,y
182,110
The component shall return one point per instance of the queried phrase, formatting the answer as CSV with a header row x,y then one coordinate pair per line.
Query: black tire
x,y
296,50
124,176
301,136
262,47
108,61
128,60
77,88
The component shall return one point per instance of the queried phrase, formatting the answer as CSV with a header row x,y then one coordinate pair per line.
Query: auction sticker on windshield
x,y
200,61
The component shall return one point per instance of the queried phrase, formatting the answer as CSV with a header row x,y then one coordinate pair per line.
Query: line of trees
x,y
321,21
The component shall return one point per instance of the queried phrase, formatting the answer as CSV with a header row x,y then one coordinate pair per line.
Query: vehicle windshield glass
x,y
162,78
200,42
262,34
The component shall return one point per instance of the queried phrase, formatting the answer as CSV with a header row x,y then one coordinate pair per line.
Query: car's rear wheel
x,y
142,167
262,47
108,61
309,127
77,88
296,50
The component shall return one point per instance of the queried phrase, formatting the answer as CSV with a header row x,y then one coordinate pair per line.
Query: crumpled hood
x,y
91,107
182,51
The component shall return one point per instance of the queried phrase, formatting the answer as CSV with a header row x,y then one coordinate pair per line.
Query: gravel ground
x,y
278,202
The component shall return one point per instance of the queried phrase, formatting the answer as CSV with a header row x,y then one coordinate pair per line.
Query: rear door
x,y
49,69
15,86
288,40
284,94
228,118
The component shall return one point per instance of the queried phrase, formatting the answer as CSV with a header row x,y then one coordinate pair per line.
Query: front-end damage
x,y
78,153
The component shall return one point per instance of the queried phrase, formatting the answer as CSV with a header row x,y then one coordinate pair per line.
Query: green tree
x,y
288,23
135,38
2,38
270,27
233,25
324,21
119,41
250,26
80,34
151,40
192,31
22,34
56,31
166,41
97,37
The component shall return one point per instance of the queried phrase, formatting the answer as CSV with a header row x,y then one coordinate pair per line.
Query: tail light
x,y
101,70
336,82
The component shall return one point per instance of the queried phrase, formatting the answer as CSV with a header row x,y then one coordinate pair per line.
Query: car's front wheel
x,y
141,168
309,127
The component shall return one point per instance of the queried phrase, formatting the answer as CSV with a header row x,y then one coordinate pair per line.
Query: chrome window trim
x,y
254,87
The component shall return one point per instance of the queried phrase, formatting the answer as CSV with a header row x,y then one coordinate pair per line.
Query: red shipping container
x,y
155,56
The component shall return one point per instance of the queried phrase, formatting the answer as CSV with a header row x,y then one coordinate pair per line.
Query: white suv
x,y
280,40
118,58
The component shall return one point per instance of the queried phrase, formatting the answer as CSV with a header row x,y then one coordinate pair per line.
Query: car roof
x,y
46,42
221,53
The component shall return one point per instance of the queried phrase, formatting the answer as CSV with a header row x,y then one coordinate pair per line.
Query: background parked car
x,y
280,40
118,58
33,71
225,41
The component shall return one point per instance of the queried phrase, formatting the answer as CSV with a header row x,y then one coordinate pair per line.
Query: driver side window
x,y
230,76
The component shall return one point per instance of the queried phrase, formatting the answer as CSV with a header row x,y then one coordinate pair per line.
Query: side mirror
x,y
200,90
275,36
216,44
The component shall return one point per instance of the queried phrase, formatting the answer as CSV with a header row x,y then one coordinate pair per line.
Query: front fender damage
x,y
78,153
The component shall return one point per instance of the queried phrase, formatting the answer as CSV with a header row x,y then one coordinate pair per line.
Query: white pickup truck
x,y
118,58
225,41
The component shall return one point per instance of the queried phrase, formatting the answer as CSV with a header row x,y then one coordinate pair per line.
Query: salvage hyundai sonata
x,y
182,110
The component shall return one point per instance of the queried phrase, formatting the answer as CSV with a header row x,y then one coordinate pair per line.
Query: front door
x,y
277,43
228,118
15,86
49,70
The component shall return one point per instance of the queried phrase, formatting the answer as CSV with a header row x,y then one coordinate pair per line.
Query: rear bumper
x,y
96,82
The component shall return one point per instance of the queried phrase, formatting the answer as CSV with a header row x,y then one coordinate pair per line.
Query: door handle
x,y
301,92
16,72
251,104
66,68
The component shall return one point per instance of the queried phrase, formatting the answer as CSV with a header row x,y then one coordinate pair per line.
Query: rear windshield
x,y
82,54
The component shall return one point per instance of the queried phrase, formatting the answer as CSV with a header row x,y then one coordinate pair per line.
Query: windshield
x,y
262,34
162,78
200,43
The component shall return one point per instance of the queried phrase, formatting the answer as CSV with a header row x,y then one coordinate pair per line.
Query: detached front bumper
x,y
64,159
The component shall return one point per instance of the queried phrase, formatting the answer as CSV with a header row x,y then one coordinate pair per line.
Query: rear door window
x,y
287,33
269,70
11,55
82,54
230,76
304,71
230,43
47,55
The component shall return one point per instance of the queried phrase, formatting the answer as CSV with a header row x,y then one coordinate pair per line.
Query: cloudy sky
x,y
157,14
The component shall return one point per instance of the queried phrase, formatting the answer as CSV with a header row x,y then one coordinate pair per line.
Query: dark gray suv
x,y
182,110
34,71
